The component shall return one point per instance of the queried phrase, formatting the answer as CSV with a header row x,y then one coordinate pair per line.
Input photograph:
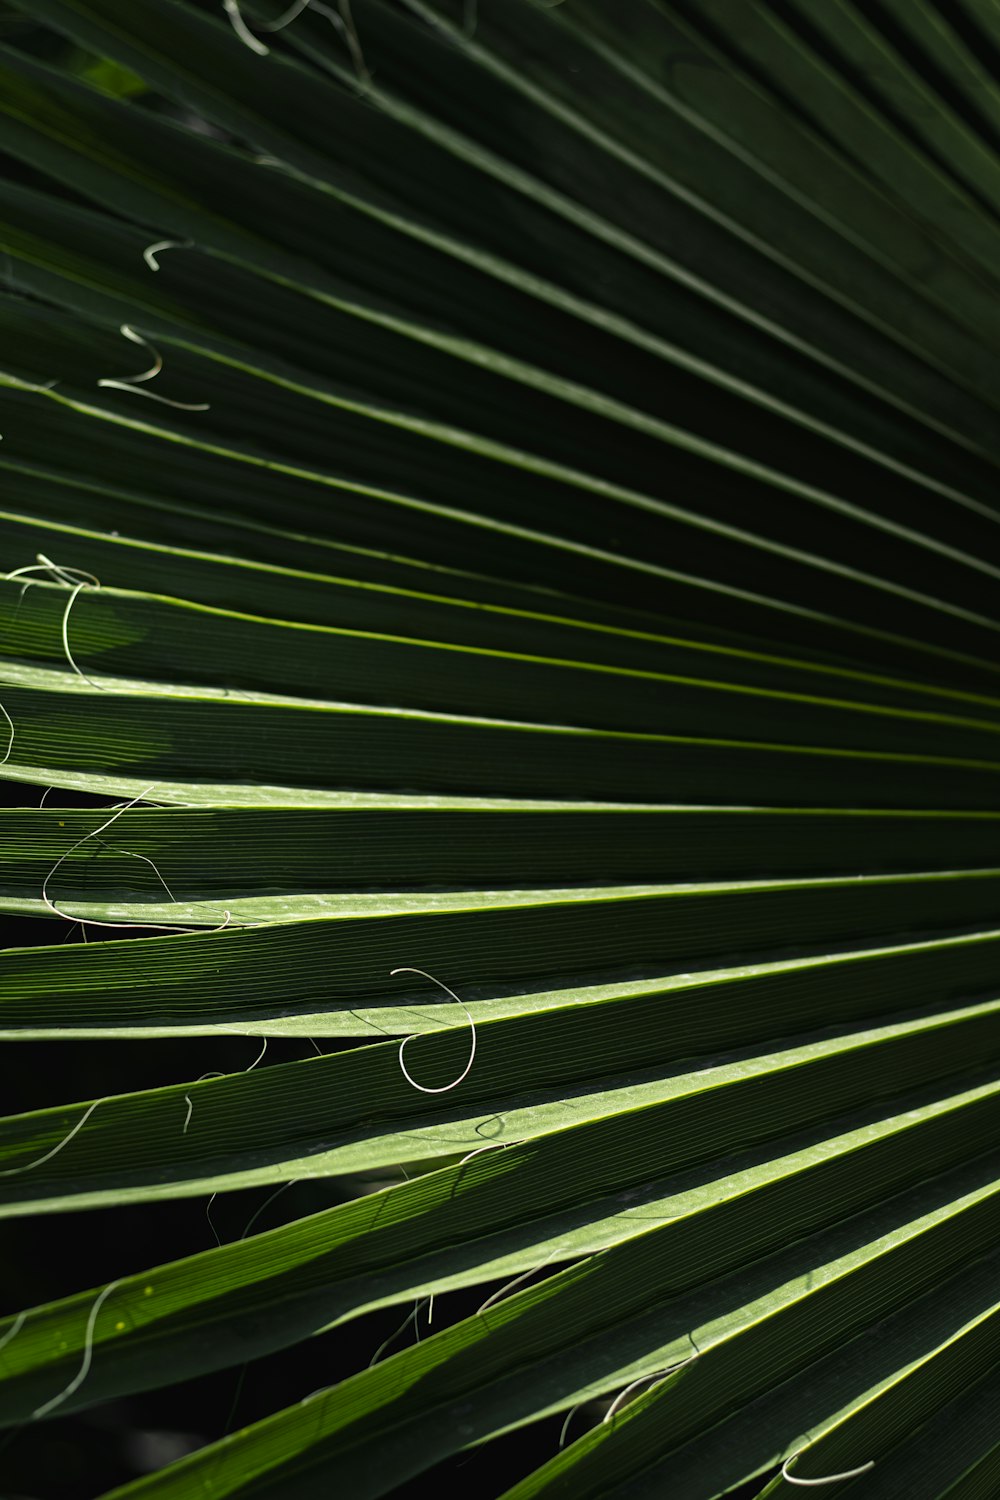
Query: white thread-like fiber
x,y
39,1160
131,383
88,1354
445,1088
829,1478
74,579
341,18
152,251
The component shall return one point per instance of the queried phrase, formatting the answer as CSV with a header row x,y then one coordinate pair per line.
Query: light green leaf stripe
x,y
336,1267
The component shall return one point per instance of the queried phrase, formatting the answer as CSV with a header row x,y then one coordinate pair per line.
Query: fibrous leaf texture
x,y
538,533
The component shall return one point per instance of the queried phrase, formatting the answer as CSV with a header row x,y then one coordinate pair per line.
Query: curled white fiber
x,y
10,742
74,579
152,251
92,921
88,1353
244,33
131,383
445,1088
341,18
242,30
39,1160
829,1478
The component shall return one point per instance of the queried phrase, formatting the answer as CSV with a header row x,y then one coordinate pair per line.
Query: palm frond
x,y
508,491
